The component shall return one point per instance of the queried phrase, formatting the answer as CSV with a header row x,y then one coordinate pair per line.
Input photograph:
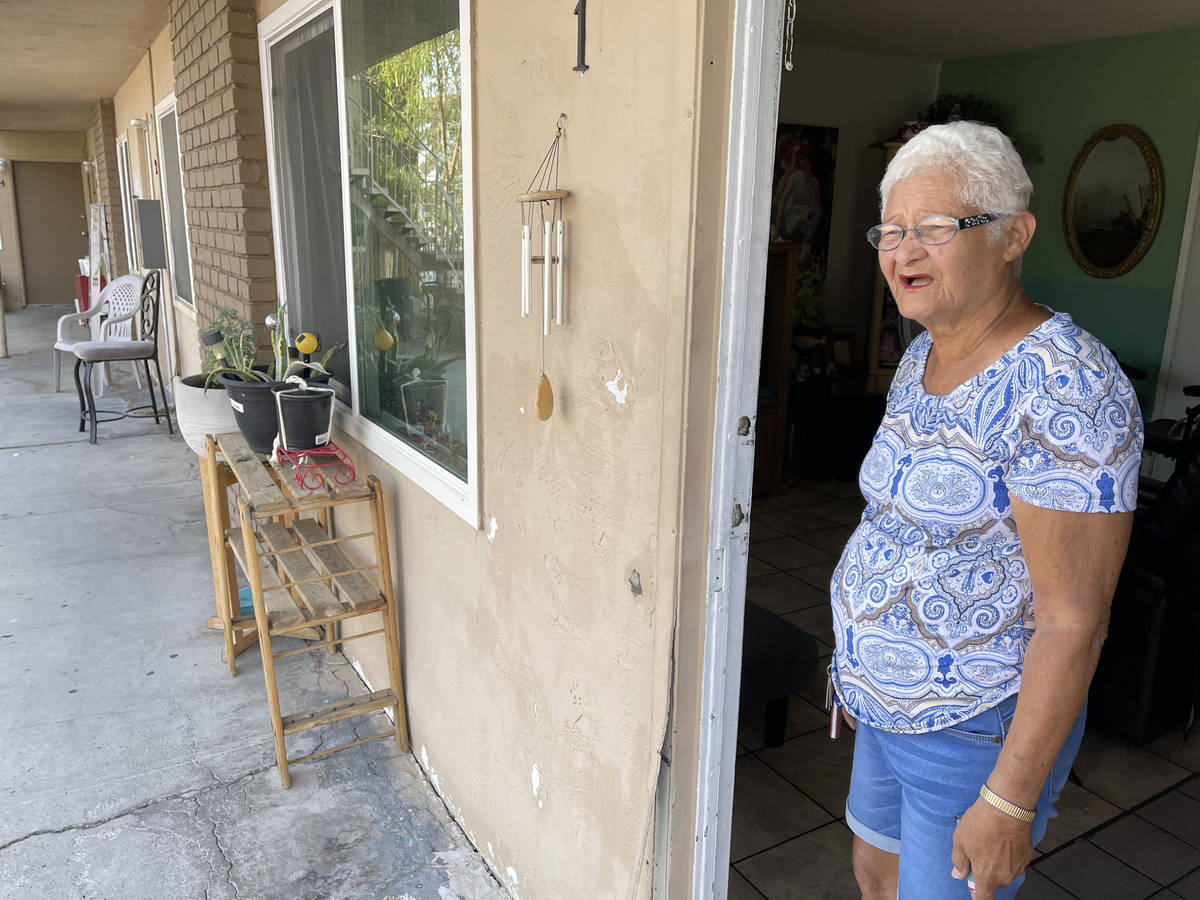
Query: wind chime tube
x,y
559,297
526,269
546,272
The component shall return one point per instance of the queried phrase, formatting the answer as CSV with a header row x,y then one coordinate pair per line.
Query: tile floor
x,y
1131,831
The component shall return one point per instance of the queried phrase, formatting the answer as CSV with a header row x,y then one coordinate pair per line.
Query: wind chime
x,y
541,210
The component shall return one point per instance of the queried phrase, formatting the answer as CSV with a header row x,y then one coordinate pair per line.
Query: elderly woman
x,y
971,602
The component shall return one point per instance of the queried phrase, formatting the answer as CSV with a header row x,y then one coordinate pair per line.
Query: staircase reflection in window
x,y
404,116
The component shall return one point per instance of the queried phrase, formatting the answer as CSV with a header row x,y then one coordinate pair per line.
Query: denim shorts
x,y
907,790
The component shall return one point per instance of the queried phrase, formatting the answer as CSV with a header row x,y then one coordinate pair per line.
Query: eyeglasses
x,y
931,231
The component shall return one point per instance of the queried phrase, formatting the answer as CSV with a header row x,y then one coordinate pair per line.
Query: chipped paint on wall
x,y
431,772
492,528
618,387
635,583
536,777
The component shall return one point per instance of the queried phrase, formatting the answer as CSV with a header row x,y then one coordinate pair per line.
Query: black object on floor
x,y
778,660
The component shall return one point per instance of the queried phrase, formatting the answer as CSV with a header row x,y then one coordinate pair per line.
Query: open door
x,y
753,113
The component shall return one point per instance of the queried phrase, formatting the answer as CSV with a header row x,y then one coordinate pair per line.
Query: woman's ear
x,y
1018,234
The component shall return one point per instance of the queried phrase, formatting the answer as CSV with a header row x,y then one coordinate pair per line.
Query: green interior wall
x,y
1058,96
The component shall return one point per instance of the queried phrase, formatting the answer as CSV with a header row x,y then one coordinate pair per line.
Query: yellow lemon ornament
x,y
384,339
307,342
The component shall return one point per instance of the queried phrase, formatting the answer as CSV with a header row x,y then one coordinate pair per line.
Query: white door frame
x,y
753,117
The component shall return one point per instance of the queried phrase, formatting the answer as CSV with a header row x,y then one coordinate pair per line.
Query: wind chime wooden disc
x,y
544,398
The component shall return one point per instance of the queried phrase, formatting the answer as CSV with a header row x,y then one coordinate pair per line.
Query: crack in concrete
x,y
225,856
192,794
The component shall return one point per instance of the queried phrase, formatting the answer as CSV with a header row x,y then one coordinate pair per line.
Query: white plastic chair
x,y
119,300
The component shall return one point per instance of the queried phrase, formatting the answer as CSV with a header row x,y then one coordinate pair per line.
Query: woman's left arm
x,y
1074,560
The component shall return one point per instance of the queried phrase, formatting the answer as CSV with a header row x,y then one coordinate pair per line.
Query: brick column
x,y
218,94
104,139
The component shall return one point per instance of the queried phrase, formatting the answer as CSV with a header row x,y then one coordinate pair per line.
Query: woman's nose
x,y
910,248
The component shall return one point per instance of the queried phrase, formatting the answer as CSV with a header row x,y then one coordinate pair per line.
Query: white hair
x,y
987,170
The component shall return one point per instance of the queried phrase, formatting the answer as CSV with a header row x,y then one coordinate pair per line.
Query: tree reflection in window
x,y
404,107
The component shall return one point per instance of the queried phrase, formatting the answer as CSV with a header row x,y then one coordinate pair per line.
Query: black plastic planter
x,y
305,416
253,405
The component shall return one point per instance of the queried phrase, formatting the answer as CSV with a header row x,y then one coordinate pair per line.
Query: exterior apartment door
x,y
753,116
51,219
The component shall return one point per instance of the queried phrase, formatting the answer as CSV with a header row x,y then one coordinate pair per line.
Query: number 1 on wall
x,y
581,15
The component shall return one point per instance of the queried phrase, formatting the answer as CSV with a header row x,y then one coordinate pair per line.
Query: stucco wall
x,y
1060,95
44,146
265,7
151,81
162,64
133,100
11,271
543,645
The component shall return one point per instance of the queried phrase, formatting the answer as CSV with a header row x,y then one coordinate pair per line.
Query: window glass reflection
x,y
404,117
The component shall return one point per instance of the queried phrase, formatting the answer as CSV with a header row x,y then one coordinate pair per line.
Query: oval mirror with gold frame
x,y
1113,201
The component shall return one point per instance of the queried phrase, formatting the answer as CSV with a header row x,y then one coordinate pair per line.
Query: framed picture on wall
x,y
802,191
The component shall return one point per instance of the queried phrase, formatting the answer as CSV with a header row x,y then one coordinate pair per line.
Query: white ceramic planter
x,y
200,413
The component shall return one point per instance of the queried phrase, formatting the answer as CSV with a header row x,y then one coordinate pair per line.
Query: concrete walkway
x,y
131,764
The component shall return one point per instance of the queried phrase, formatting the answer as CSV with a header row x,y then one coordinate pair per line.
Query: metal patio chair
x,y
143,349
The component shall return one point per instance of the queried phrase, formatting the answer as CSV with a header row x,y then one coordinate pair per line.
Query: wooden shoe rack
x,y
302,581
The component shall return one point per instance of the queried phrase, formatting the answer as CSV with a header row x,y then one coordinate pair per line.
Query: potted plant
x,y
423,389
201,404
250,384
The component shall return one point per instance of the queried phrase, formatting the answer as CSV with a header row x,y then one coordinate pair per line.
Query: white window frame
x,y
461,497
271,30
127,213
167,105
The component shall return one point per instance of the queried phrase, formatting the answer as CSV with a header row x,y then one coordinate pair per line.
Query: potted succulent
x,y
201,405
250,384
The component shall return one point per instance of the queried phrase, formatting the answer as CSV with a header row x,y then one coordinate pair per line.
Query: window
x,y
391,273
127,213
404,115
171,173
307,188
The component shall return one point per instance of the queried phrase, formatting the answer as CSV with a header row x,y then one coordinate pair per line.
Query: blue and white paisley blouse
x,y
932,603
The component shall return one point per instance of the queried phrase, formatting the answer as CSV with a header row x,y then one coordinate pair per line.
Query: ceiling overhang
x,y
58,57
